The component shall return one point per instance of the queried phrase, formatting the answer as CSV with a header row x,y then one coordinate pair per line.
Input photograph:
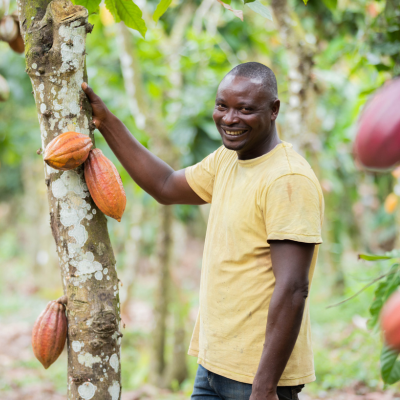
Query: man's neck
x,y
270,142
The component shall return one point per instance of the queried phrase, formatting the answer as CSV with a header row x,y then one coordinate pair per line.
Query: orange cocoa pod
x,y
49,333
105,185
68,151
391,203
390,321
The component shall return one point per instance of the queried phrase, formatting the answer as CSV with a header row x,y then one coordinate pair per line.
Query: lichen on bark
x,y
55,39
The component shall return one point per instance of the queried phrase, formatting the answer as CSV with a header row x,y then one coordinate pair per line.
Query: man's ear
x,y
275,109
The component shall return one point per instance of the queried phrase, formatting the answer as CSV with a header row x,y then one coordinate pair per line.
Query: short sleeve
x,y
293,210
200,177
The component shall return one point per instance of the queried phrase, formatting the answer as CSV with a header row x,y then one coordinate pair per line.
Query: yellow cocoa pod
x,y
391,203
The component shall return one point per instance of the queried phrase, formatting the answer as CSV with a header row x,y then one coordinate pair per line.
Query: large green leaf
x,y
373,257
390,366
259,8
110,5
384,290
161,8
331,4
130,13
91,5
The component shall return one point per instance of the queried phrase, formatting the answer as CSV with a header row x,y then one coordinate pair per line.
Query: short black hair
x,y
257,71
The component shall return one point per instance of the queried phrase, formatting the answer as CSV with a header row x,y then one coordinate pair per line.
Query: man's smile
x,y
234,132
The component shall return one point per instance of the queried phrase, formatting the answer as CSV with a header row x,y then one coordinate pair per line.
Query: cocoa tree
x,y
55,35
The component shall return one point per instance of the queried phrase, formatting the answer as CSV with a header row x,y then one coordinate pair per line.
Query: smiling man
x,y
252,336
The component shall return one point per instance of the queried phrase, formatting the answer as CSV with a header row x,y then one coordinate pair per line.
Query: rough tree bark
x,y
55,36
298,127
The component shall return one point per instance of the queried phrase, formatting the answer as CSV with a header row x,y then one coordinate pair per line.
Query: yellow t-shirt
x,y
273,197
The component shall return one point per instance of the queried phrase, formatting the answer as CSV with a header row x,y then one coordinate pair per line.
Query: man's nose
x,y
230,118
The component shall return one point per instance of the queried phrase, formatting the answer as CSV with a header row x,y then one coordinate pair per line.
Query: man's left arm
x,y
290,263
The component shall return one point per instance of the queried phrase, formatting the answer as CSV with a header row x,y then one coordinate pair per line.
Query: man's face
x,y
243,113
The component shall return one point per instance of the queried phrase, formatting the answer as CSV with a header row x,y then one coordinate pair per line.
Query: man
x,y
252,335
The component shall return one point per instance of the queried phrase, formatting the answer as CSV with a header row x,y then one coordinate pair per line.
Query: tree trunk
x,y
298,125
55,35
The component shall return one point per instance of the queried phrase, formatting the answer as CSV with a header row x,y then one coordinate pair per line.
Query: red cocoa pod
x,y
49,333
68,151
377,143
390,321
105,185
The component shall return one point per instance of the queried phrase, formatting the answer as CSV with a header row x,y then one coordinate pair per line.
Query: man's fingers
x,y
89,92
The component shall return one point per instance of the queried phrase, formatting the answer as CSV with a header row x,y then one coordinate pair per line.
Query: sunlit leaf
x,y
91,5
110,5
161,8
373,257
305,2
259,8
331,4
390,366
130,13
238,13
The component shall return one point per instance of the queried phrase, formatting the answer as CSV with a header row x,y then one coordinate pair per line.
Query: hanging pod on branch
x,y
49,332
68,151
390,321
105,185
377,143
10,32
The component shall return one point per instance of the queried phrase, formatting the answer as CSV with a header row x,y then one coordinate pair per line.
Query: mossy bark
x,y
55,42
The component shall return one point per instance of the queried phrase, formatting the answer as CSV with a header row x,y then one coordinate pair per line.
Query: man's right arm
x,y
151,173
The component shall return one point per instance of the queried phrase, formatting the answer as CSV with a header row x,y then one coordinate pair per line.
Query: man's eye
x,y
246,109
220,106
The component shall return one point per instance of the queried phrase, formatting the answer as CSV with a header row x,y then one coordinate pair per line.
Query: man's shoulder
x,y
290,163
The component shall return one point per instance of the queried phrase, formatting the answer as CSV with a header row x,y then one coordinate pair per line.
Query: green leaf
x,y
259,8
226,1
130,13
383,291
161,8
248,1
390,366
331,4
305,2
110,5
373,257
91,5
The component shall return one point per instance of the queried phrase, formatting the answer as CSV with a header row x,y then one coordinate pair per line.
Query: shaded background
x,y
170,79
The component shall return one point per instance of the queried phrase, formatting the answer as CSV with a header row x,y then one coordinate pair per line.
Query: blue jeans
x,y
210,386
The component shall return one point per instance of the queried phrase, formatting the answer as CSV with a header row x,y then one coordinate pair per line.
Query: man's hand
x,y
100,110
261,393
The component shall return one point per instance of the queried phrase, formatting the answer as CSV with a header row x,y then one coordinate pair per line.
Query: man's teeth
x,y
234,133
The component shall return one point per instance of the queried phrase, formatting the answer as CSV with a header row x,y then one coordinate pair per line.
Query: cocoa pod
x,y
377,143
390,321
49,333
8,29
68,151
105,185
17,44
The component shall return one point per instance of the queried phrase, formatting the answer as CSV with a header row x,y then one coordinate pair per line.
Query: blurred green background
x,y
355,47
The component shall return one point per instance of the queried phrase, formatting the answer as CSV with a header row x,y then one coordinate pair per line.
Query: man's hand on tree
x,y
100,110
